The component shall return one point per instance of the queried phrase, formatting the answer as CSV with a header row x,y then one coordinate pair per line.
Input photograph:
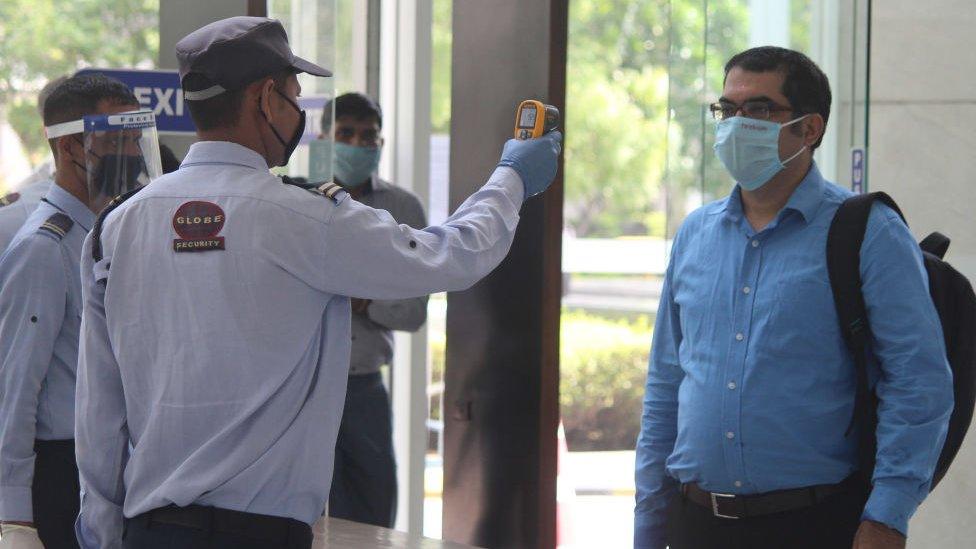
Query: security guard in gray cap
x,y
215,344
40,317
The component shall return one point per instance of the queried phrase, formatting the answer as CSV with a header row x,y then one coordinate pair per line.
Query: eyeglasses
x,y
750,109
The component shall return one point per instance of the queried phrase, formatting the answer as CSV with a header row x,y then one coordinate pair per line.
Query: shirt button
x,y
739,337
755,243
746,290
730,435
738,484
732,385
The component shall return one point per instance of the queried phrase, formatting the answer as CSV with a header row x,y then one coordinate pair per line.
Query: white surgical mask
x,y
749,149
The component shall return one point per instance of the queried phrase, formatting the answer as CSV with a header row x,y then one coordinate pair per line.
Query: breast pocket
x,y
805,317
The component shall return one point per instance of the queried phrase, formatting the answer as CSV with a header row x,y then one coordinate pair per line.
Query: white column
x,y
769,23
359,49
405,98
825,52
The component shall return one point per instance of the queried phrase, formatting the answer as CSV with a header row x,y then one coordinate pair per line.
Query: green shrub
x,y
603,365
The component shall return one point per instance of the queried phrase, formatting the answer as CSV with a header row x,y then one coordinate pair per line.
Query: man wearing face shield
x,y
121,154
40,316
215,350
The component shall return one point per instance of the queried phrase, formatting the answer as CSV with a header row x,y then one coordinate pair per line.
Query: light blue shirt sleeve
x,y
659,423
381,259
915,386
100,399
33,296
402,314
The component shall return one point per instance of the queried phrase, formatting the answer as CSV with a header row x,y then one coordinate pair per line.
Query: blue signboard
x,y
159,91
857,170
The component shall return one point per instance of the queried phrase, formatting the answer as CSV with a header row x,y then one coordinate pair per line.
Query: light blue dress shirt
x,y
751,388
12,216
40,318
218,377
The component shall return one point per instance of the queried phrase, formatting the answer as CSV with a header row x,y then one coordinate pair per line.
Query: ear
x,y
67,145
264,90
813,128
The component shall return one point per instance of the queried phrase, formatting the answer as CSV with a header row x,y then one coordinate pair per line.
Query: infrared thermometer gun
x,y
535,119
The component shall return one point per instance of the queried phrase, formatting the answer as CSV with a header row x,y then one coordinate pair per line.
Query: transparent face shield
x,y
121,154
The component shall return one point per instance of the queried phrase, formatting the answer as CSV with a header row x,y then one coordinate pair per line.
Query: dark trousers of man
x,y
364,483
198,527
55,493
830,524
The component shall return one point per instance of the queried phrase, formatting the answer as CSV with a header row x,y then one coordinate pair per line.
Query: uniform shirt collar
x,y
805,200
74,208
223,152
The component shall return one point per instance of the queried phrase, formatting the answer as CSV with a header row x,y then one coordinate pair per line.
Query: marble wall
x,y
922,142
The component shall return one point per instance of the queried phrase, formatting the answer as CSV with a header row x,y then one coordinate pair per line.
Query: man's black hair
x,y
222,110
46,92
80,95
357,105
804,84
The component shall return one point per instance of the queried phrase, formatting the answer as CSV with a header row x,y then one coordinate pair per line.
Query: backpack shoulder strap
x,y
844,240
97,228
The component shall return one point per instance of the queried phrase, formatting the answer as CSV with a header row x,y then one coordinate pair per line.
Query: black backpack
x,y
954,301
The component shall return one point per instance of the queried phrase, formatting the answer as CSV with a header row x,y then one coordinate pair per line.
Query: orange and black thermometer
x,y
535,119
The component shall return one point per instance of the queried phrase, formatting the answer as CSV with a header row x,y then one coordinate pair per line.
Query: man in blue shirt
x,y
40,318
751,388
216,333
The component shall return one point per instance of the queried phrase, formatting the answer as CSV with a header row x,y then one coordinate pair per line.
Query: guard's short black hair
x,y
80,95
222,110
805,86
357,105
46,92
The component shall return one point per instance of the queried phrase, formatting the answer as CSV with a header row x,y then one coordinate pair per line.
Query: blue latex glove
x,y
535,160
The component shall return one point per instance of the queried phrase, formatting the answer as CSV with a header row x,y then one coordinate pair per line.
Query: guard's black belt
x,y
273,530
731,506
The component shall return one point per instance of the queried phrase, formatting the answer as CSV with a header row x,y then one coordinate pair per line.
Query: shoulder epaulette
x,y
329,190
9,199
58,225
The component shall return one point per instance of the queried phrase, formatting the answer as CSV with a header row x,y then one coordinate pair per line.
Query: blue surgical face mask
x,y
354,165
749,148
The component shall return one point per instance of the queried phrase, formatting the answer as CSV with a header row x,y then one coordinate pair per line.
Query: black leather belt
x,y
730,506
274,530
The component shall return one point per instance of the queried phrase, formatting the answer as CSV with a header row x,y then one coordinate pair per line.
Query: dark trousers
x,y
56,493
145,532
830,524
364,483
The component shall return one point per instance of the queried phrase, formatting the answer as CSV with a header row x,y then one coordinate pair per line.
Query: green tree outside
x,y
44,39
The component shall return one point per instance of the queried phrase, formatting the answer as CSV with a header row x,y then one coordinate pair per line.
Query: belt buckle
x,y
715,512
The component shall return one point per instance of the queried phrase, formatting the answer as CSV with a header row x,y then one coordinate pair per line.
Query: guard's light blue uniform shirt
x,y
40,318
218,377
750,386
13,215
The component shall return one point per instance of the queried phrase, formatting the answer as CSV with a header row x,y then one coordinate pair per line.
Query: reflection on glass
x,y
311,26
